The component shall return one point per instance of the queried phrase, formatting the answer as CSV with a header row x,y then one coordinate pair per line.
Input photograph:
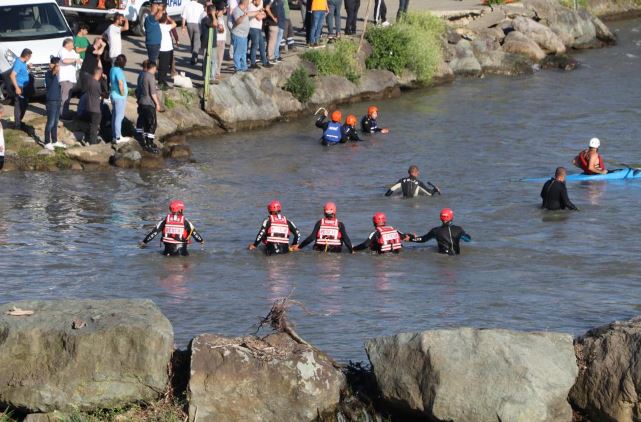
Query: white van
x,y
34,24
100,12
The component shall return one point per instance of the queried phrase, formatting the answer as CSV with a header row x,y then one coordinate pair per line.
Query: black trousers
x,y
146,125
1,161
351,6
174,249
276,248
20,108
164,66
94,127
308,25
403,5
380,11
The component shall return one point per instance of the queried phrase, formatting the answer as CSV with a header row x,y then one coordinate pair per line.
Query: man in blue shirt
x,y
19,77
152,32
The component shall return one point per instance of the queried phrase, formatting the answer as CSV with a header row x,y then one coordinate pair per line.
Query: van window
x,y
32,21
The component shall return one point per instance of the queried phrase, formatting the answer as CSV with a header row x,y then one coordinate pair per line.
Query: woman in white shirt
x,y
166,55
221,39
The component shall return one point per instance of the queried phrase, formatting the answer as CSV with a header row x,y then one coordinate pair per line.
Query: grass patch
x,y
6,416
338,59
300,85
27,157
414,43
169,103
163,411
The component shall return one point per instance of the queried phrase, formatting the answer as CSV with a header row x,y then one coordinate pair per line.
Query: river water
x,y
74,235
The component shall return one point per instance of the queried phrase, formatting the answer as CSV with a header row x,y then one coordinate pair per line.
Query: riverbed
x,y
69,234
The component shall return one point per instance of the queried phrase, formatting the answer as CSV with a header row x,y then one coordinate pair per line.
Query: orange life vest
x,y
328,233
174,231
278,231
584,162
388,239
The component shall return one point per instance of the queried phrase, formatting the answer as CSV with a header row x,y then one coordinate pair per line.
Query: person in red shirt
x,y
589,160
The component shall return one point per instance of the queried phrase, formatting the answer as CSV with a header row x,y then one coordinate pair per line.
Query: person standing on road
x,y
19,77
210,21
380,13
114,37
53,102
192,14
118,94
153,36
278,10
403,5
239,35
221,38
555,194
148,105
351,8
334,18
69,60
319,10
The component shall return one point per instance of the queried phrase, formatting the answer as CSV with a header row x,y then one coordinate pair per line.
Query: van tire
x,y
139,29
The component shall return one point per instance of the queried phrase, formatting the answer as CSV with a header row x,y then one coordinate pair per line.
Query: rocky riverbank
x,y
58,358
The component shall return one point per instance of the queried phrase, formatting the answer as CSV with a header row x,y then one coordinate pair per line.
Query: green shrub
x,y
414,43
339,58
300,85
6,416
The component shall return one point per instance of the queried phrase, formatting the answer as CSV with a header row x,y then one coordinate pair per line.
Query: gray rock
x,y
603,33
487,20
517,43
45,152
252,379
464,63
541,34
561,62
495,33
333,89
375,81
609,384
91,154
575,28
119,357
470,375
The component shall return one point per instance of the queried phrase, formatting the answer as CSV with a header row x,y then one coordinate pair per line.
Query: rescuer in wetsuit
x,y
411,186
349,130
448,236
275,232
384,239
555,194
329,234
176,231
369,124
332,130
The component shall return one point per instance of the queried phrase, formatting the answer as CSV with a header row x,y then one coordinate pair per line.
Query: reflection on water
x,y
71,234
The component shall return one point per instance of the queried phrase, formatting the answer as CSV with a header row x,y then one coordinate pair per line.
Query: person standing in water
x,y
448,236
176,231
384,238
411,186
332,130
589,160
555,194
329,234
275,232
369,123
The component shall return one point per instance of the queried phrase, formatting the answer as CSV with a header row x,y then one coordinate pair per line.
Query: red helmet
x,y
330,208
337,116
176,206
274,206
371,110
351,120
379,219
447,215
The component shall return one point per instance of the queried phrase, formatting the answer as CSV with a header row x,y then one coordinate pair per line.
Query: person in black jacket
x,y
555,194
329,234
448,236
411,186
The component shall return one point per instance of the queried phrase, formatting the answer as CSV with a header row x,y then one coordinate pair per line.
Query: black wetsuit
x,y
372,242
412,187
350,134
448,237
369,125
173,249
322,248
555,196
276,248
321,123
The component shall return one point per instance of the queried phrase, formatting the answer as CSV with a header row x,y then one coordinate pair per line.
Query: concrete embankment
x,y
61,357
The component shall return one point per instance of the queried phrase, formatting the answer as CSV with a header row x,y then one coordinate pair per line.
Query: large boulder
x,y
464,63
471,375
517,43
83,354
541,34
91,154
251,379
333,89
575,28
609,384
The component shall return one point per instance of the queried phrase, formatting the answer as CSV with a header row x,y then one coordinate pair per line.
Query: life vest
x,y
328,233
174,231
333,133
584,161
278,231
388,239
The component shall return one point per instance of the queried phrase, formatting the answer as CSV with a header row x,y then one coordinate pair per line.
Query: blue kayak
x,y
618,174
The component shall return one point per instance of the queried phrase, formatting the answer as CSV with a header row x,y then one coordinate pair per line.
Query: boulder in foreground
x,y
83,354
253,379
470,375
